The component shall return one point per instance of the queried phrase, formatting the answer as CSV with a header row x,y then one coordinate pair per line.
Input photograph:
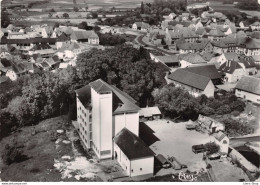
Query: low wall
x,y
247,166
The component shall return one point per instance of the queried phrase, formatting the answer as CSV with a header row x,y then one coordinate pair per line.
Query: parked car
x,y
198,148
190,126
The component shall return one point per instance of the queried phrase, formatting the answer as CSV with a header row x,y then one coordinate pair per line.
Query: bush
x,y
237,105
224,109
13,154
206,111
211,148
235,113
236,128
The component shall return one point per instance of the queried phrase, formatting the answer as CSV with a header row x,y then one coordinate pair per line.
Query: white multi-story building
x,y
103,111
108,122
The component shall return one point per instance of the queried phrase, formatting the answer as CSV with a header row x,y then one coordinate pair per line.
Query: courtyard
x,y
173,140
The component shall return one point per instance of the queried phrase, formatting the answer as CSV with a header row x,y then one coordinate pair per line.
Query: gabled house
x,y
170,60
134,156
211,125
142,26
248,64
85,36
233,71
47,31
248,88
180,33
202,46
207,70
191,59
63,41
222,140
194,83
43,49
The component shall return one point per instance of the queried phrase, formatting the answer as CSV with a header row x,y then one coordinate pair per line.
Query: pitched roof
x,y
149,111
63,37
219,136
229,67
84,95
168,59
28,41
193,58
142,25
248,61
122,102
186,77
249,84
182,32
209,71
231,56
83,34
131,145
251,43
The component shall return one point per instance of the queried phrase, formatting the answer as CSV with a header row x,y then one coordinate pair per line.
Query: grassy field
x,y
92,4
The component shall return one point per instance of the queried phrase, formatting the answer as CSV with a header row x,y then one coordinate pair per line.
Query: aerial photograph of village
x,y
130,91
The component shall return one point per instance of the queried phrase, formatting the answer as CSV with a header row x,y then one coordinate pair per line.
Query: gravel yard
x,y
175,140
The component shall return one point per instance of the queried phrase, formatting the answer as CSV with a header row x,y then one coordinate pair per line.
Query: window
x,y
132,171
141,169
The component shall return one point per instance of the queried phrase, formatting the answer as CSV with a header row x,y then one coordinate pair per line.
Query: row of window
x,y
95,148
133,170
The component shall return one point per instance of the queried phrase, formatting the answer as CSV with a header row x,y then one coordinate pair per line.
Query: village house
x,y
85,36
47,32
177,33
150,113
233,71
207,70
202,46
43,49
170,60
142,26
63,41
69,51
222,140
248,64
248,88
250,47
255,26
209,124
191,59
133,155
194,83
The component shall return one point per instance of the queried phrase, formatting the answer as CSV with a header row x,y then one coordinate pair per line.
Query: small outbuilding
x,y
150,113
134,156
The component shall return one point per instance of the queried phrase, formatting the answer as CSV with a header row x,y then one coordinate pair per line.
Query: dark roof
x,y
248,61
28,41
80,35
131,145
40,47
84,95
249,84
63,37
186,77
162,159
100,86
229,67
122,102
209,71
193,58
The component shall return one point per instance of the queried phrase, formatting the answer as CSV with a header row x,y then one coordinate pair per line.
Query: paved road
x,y
139,39
238,141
